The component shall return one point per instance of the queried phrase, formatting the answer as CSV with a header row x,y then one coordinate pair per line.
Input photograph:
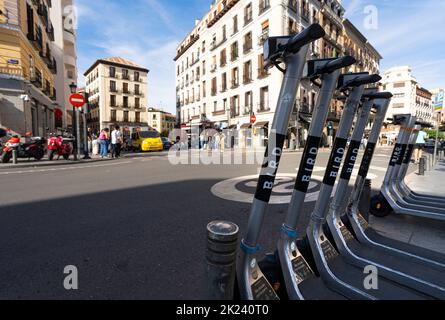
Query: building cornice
x,y
114,64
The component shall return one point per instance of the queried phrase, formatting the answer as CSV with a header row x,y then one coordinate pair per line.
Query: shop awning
x,y
233,126
246,126
262,124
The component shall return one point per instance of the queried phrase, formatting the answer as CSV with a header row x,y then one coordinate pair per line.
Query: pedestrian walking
x,y
104,142
116,142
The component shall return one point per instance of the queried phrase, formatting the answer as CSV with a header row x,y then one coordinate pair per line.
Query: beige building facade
x,y
160,120
118,91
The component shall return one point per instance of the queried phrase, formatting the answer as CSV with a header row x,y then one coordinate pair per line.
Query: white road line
x,y
63,168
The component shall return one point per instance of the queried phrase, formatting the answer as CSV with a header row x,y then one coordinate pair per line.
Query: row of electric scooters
x,y
339,251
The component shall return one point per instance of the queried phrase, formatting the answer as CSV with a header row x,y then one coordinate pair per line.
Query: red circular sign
x,y
77,100
253,119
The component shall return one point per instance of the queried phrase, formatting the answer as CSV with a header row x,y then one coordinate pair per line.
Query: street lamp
x,y
73,89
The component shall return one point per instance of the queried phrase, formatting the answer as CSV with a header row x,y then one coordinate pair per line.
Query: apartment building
x,y
436,92
160,120
28,97
220,76
65,54
117,90
409,97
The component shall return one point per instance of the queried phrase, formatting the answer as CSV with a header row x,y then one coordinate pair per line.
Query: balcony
x,y
213,68
263,107
194,62
235,84
216,44
113,90
213,92
263,38
126,77
247,47
247,79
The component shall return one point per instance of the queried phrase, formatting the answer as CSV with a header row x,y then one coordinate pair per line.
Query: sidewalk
x,y
427,233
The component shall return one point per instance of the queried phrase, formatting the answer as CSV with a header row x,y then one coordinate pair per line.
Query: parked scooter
x,y
60,146
32,149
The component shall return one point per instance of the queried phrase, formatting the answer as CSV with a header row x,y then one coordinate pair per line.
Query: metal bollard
x,y
222,245
422,164
14,156
365,199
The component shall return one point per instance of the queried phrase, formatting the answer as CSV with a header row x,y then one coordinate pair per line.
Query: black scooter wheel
x,y
6,157
380,207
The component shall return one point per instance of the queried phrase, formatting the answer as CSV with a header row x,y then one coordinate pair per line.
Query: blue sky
x,y
148,31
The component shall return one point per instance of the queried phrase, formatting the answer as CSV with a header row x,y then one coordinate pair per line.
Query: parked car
x,y
147,141
167,143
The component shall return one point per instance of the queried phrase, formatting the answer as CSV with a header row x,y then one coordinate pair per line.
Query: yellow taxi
x,y
147,141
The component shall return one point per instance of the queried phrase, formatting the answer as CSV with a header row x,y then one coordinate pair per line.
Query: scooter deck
x,y
374,236
313,288
354,276
429,203
436,210
404,264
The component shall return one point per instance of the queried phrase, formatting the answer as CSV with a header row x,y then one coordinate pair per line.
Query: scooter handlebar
x,y
336,64
378,95
310,34
363,80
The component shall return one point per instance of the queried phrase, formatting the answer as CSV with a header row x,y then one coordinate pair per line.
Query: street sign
x,y
77,100
253,119
438,102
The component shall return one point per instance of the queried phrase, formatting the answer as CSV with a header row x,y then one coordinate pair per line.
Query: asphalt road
x,y
135,228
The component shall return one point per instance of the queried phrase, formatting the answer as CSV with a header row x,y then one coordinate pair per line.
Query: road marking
x,y
63,168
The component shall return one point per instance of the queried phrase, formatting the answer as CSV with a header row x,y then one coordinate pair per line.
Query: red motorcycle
x,y
60,146
34,148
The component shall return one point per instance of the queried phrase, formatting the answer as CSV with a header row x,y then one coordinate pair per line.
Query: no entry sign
x,y
253,119
77,100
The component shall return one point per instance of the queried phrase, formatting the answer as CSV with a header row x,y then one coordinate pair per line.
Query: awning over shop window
x,y
246,126
233,126
262,124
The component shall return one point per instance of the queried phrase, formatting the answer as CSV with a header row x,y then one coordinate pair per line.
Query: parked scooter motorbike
x,y
60,146
32,149
3,133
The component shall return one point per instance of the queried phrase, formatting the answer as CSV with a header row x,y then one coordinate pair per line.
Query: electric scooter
x,y
291,51
403,270
295,268
388,200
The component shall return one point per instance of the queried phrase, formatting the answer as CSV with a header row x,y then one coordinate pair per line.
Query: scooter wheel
x,y
6,157
51,155
380,207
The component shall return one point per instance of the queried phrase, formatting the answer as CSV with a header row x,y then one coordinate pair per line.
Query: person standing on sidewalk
x,y
420,145
116,140
103,141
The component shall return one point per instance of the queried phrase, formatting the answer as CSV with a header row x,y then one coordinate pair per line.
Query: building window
x,y
137,75
215,106
125,88
136,89
112,72
204,91
125,102
112,101
234,106
264,99
399,85
248,16
248,103
203,68
126,116
113,86
138,117
137,103
125,74
214,86
261,71
247,42
235,25
235,78
247,72
113,115
264,5
224,82
398,105
234,51
223,58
